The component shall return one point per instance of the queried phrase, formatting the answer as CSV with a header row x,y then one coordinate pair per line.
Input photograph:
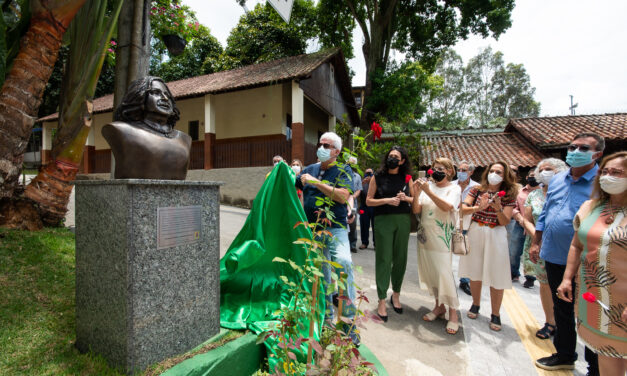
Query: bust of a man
x,y
142,137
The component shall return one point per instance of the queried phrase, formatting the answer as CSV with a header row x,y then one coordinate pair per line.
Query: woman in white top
x,y
437,204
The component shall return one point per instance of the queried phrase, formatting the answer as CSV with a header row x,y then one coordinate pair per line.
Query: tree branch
x,y
362,24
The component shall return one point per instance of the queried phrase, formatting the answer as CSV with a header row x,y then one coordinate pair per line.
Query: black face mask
x,y
392,163
438,175
532,181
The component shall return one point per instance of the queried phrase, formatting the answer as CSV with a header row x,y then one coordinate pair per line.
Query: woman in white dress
x,y
437,203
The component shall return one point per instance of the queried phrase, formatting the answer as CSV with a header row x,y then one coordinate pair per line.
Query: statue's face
x,y
157,100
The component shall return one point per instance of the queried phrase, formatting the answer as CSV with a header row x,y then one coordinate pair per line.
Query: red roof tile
x,y
481,149
552,132
271,72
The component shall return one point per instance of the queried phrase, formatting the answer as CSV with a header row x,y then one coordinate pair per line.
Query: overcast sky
x,y
576,47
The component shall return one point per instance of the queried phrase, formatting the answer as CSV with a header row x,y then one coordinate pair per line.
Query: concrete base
x,y
138,301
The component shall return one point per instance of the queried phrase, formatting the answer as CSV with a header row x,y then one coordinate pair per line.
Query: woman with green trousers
x,y
391,194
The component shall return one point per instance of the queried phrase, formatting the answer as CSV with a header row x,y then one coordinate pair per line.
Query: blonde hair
x,y
448,164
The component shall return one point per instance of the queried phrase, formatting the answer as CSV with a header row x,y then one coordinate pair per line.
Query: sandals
x,y
429,317
495,323
452,327
546,332
473,312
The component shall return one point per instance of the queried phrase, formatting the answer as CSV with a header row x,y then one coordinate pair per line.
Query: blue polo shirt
x,y
563,199
333,175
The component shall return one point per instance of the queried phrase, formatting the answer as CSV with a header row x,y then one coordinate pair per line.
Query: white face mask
x,y
296,169
494,178
613,185
545,176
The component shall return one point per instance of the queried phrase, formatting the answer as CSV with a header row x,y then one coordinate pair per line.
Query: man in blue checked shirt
x,y
554,232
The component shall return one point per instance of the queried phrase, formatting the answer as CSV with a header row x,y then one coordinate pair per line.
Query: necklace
x,y
611,211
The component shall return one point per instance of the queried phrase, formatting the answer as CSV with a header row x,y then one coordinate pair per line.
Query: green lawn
x,y
37,318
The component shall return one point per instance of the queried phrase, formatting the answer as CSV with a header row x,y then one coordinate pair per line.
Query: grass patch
x,y
37,308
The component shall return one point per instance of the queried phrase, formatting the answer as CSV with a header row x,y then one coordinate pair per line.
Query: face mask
x,y
546,176
532,181
323,154
438,175
613,185
494,178
296,169
462,176
392,163
579,158
275,163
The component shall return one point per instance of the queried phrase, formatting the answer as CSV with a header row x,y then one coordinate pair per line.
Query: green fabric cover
x,y
251,291
239,357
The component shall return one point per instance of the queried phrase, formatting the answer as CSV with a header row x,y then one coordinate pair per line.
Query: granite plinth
x,y
137,304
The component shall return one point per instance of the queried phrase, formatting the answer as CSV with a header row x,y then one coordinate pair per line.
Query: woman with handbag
x,y
437,203
491,205
390,194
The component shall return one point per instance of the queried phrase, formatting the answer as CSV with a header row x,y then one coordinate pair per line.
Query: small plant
x,y
169,17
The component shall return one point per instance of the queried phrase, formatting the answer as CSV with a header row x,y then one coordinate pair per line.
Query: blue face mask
x,y
462,176
579,158
323,154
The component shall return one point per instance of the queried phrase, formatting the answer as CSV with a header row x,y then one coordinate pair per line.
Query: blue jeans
x,y
516,243
338,250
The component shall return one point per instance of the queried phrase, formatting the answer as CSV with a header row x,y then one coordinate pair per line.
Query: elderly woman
x,y
598,255
437,203
543,173
390,194
491,205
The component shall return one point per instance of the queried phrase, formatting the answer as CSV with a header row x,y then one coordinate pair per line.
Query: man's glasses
x,y
582,148
612,172
326,146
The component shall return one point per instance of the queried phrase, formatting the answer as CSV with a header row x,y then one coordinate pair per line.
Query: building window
x,y
332,73
288,127
193,130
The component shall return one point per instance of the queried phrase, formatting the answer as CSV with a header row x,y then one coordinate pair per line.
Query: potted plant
x,y
173,23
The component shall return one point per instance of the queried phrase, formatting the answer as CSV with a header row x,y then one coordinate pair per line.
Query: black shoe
x,y
465,287
397,310
353,250
528,283
555,362
383,318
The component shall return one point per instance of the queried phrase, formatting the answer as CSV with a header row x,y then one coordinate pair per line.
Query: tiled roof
x,y
481,149
271,72
552,132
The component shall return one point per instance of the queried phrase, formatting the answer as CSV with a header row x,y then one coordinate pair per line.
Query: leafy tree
x,y
401,91
496,91
448,100
199,58
262,35
419,28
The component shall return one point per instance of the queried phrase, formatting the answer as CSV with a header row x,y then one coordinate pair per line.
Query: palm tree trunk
x,y
24,86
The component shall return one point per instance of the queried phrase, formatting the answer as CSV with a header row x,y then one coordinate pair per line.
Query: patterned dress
x,y
535,201
434,257
603,272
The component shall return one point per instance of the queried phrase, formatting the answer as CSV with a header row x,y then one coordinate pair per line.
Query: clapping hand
x,y
495,203
484,201
421,184
394,201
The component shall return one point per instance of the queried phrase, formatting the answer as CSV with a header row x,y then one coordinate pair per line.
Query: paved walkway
x,y
406,345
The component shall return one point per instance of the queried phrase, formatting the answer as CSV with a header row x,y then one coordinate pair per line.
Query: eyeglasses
x,y
582,148
441,169
463,170
326,146
612,172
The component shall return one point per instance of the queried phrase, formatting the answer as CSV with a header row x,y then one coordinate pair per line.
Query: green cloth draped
x,y
251,291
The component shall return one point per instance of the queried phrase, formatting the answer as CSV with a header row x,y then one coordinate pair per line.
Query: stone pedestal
x,y
147,268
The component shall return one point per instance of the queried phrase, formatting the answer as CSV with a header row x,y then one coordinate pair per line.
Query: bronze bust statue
x,y
142,136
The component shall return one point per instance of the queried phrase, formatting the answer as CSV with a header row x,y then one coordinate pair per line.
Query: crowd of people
x,y
567,222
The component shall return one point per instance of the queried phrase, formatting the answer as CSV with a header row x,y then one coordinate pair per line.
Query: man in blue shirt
x,y
329,179
554,232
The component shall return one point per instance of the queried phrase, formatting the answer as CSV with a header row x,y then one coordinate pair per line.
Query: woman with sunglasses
x,y
390,194
491,205
598,255
437,204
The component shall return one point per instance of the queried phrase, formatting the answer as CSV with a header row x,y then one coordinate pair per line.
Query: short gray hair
x,y
471,166
558,164
335,139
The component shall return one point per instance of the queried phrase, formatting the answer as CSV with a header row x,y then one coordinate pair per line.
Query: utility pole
x,y
572,106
